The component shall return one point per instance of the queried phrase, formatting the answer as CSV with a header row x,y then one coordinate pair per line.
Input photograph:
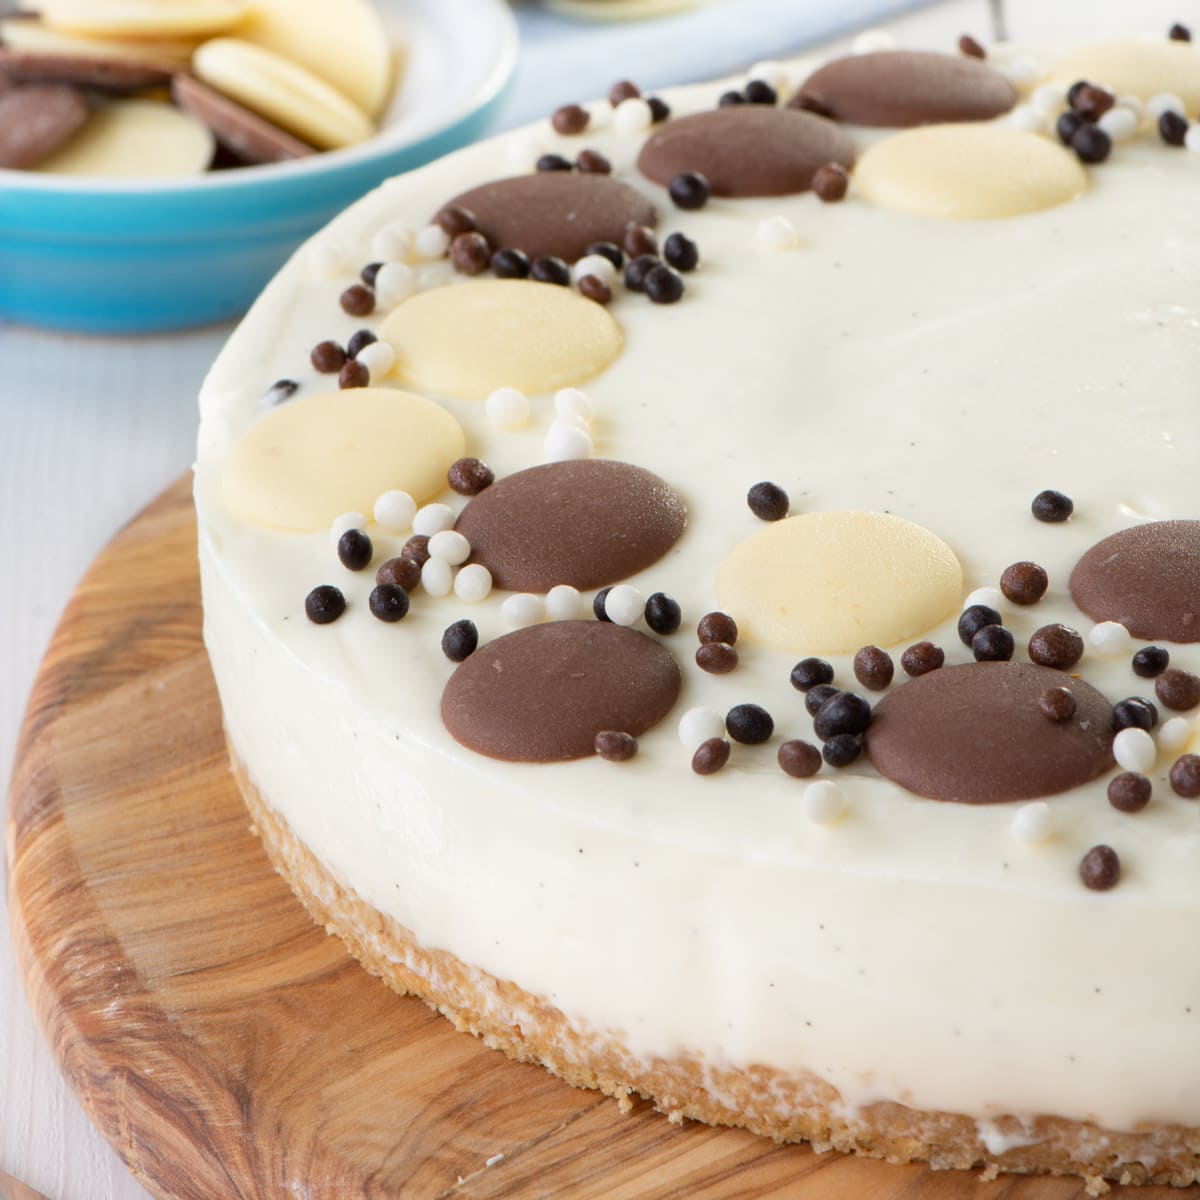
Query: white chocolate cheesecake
x,y
973,943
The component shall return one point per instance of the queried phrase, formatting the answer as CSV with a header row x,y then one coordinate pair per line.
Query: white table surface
x,y
90,431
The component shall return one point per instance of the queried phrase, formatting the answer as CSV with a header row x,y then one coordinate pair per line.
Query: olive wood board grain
x,y
223,1044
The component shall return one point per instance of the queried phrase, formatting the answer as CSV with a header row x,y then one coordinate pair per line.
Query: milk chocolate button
x,y
252,138
36,119
1147,578
109,73
543,693
974,733
896,89
746,150
557,213
587,522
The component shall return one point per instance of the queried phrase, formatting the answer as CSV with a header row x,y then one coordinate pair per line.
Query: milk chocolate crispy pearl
x,y
897,89
555,214
542,694
1147,578
746,150
587,523
975,733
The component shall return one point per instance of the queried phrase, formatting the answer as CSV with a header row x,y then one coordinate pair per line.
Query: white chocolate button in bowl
x,y
151,252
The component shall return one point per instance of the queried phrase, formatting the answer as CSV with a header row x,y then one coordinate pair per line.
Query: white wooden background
x,y
90,431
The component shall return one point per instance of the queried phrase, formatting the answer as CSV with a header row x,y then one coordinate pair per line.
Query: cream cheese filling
x,y
943,371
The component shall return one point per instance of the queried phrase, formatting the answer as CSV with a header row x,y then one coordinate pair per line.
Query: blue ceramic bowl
x,y
134,256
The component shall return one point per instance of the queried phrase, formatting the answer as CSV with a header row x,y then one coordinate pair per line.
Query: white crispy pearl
x,y
1119,123
600,114
1174,734
522,609
1164,102
433,518
772,72
1191,139
632,116
571,402
697,725
394,284
992,597
624,605
473,583
1110,637
872,40
1134,749
450,546
776,233
325,259
1048,99
1134,105
394,511
392,244
507,408
563,603
345,522
1027,119
1021,72
565,441
822,802
1033,823
379,358
437,577
431,242
597,265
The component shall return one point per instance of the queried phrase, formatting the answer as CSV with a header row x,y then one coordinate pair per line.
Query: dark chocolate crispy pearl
x,y
555,213
897,89
587,523
1147,578
542,694
974,733
746,150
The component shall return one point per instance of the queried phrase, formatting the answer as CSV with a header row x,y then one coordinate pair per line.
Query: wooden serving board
x,y
228,1048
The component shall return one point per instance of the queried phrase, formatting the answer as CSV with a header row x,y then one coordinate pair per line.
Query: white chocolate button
x,y
288,94
35,36
142,18
968,172
135,139
345,43
832,582
304,463
470,339
1137,67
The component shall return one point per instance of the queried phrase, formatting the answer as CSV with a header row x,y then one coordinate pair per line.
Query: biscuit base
x,y
787,1107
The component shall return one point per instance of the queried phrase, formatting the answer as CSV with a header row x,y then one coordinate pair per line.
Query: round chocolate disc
x,y
1147,578
36,119
746,149
251,137
543,693
586,522
106,72
897,89
558,213
975,733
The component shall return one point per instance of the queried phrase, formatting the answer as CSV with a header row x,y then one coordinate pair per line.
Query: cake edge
x,y
767,1102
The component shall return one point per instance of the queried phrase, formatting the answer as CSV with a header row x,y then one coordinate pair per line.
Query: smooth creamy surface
x,y
945,371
